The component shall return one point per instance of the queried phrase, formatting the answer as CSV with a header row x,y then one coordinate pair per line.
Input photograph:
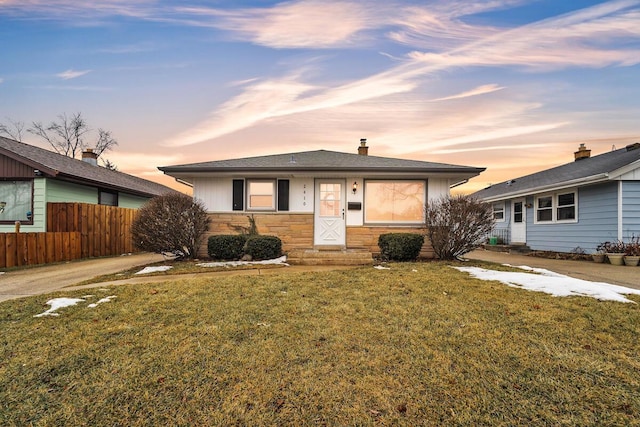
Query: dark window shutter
x,y
283,194
238,194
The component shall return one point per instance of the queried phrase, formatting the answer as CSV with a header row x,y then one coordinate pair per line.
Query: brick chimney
x,y
582,153
90,157
363,150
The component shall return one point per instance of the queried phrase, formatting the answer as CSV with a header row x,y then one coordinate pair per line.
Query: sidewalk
x,y
586,270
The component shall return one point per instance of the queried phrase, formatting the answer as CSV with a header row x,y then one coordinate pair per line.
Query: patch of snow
x,y
554,284
58,303
282,261
380,267
102,301
155,269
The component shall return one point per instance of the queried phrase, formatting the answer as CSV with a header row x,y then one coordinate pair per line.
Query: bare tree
x,y
105,142
67,135
108,164
14,130
457,225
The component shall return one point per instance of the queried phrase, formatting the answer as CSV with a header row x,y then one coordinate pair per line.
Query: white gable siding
x,y
301,195
215,193
633,175
437,188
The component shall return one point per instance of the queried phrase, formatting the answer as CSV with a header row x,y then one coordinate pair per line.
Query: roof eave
x,y
594,179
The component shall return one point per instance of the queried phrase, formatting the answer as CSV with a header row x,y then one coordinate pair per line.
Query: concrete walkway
x,y
50,278
586,270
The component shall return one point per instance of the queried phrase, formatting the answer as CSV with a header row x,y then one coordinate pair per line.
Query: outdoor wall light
x,y
2,205
355,187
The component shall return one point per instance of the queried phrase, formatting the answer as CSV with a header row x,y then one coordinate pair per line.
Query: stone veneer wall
x,y
296,231
366,237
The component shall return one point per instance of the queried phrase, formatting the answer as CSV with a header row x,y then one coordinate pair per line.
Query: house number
x,y
304,194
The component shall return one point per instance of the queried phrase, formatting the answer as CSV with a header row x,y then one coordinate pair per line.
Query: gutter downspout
x,y
184,182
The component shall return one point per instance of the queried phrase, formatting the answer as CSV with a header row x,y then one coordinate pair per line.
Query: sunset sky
x,y
511,85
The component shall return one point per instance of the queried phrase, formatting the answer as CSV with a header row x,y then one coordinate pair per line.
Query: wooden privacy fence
x,y
74,231
39,248
104,230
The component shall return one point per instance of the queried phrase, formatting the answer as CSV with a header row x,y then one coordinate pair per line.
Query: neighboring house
x,y
320,199
571,207
31,177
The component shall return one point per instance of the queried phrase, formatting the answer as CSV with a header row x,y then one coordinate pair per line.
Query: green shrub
x,y
263,247
400,246
226,246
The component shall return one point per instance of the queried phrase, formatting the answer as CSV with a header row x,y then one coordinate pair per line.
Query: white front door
x,y
329,224
518,222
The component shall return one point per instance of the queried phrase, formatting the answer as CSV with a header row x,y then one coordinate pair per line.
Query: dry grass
x,y
354,347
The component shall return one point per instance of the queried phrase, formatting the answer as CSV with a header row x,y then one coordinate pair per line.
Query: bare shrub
x,y
457,225
172,222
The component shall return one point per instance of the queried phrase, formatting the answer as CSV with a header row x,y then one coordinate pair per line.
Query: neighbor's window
x,y
566,207
261,195
544,209
498,211
394,201
558,207
107,198
16,201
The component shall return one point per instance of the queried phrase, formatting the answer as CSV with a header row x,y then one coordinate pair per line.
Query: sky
x,y
510,85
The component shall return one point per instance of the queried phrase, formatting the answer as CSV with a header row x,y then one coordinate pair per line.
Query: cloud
x,y
72,74
296,24
556,43
480,90
1,80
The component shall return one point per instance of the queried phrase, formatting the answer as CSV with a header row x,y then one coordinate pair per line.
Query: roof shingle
x,y
65,167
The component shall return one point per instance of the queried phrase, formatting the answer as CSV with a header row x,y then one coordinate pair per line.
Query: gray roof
x,y
590,170
320,160
66,168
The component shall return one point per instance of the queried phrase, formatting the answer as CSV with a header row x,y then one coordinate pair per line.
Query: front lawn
x,y
419,344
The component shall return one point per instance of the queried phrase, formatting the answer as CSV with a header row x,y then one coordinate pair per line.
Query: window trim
x,y
493,211
114,193
555,196
395,223
274,195
27,221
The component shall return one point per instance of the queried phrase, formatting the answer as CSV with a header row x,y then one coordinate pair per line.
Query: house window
x,y
108,198
544,209
16,201
400,202
498,211
558,207
261,195
566,207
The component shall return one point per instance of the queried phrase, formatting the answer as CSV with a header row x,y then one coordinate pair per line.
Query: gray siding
x,y
630,209
597,222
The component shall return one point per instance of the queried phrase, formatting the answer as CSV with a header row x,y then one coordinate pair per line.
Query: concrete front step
x,y
329,257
